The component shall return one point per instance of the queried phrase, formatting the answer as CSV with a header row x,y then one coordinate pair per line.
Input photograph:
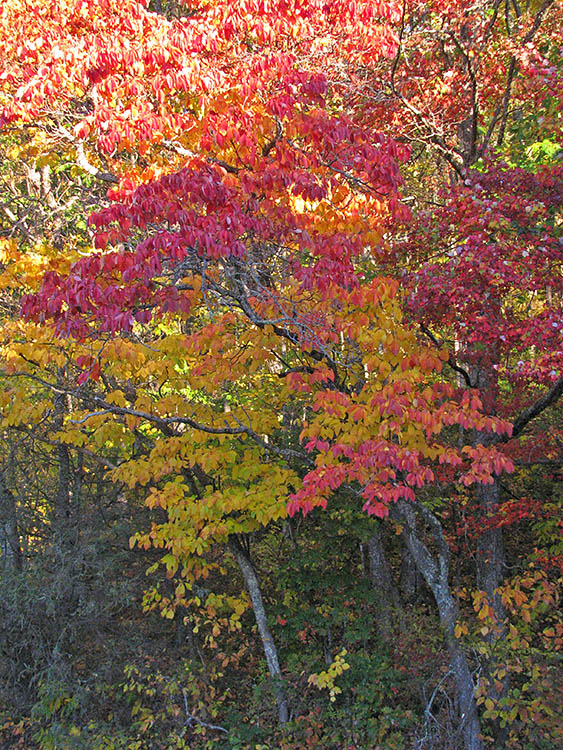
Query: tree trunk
x,y
410,582
490,548
490,544
490,575
382,584
436,573
62,521
10,547
270,652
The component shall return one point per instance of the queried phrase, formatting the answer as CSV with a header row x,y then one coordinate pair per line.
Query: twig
x,y
191,718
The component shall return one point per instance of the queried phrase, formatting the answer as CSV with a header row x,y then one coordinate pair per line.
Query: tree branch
x,y
537,21
535,409
82,160
277,137
512,70
505,102
470,157
190,718
451,359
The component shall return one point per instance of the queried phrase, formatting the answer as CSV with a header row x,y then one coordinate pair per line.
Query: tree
x,y
236,270
477,89
227,157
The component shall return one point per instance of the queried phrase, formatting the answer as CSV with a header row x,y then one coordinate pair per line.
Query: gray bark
x,y
382,583
10,547
490,575
410,577
490,549
410,582
63,493
268,644
436,573
490,545
491,561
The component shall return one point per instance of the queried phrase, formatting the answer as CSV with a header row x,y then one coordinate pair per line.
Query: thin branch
x,y
537,21
275,140
517,8
89,416
492,21
512,70
285,453
526,416
470,158
190,718
230,168
164,423
82,160
505,101
301,368
451,359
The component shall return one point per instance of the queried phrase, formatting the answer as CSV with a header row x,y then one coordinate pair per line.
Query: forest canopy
x,y
280,374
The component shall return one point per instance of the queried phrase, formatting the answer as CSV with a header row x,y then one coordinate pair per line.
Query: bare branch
x,y
512,70
82,160
277,137
451,359
526,416
537,21
433,136
470,157
166,424
190,718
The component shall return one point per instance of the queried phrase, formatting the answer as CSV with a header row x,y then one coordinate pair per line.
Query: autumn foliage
x,y
282,306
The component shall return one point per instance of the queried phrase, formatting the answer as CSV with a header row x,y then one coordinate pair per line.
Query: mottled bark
x,y
268,644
